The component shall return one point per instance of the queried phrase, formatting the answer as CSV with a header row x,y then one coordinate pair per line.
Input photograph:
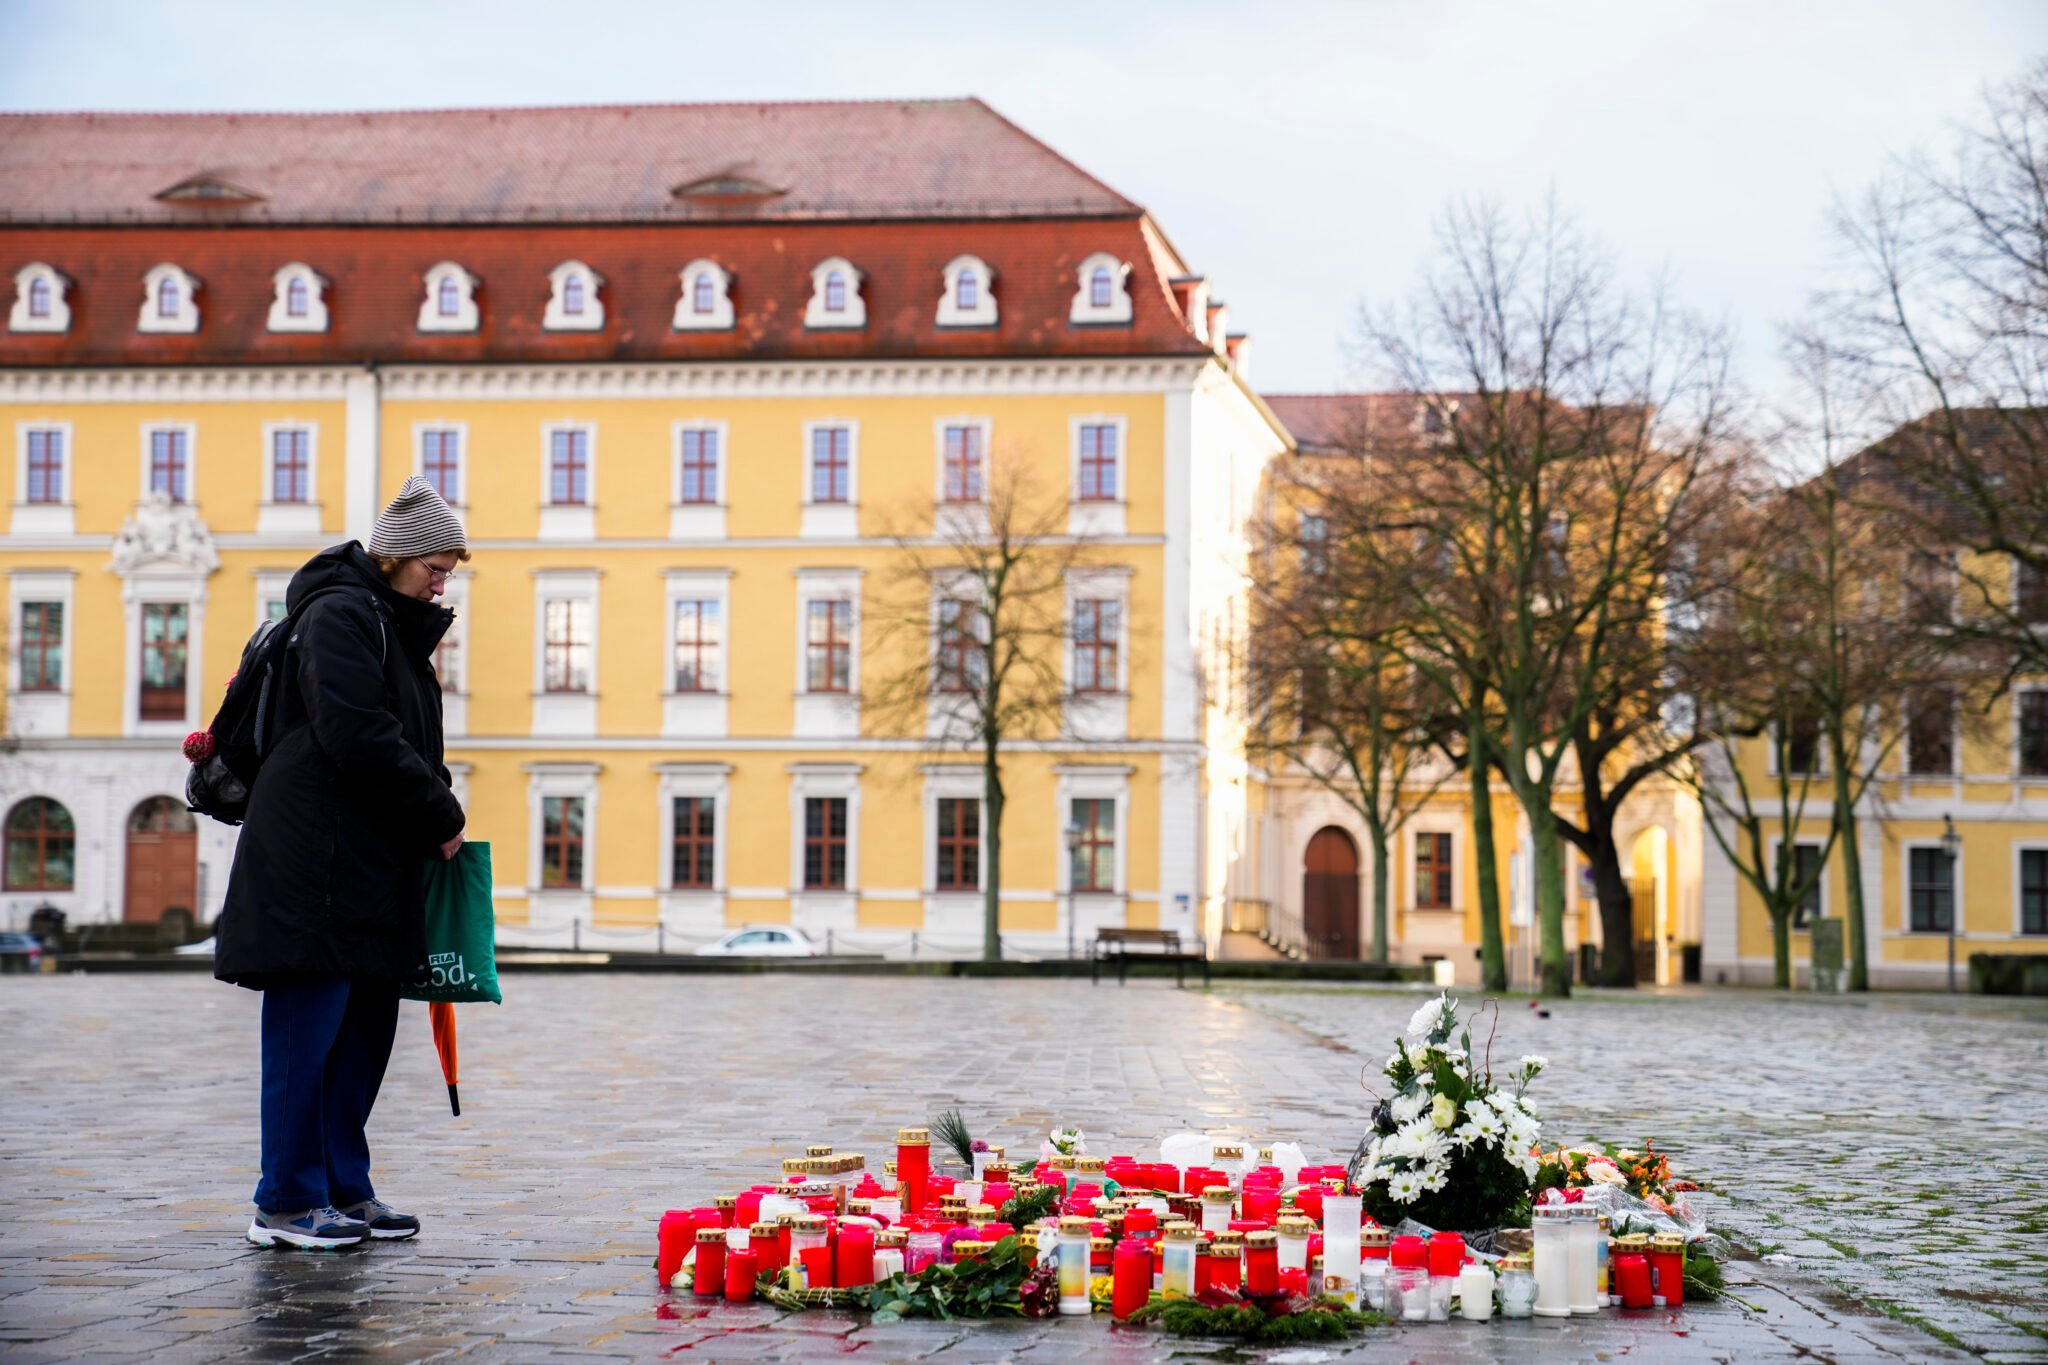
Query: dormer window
x,y
835,296
450,302
301,301
1102,295
39,304
573,304
169,301
706,302
969,299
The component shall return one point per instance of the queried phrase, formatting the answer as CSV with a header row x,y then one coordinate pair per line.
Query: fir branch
x,y
1253,1325
1022,1210
950,1128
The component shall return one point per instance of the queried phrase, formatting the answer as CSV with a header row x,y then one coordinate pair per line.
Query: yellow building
x,y
684,380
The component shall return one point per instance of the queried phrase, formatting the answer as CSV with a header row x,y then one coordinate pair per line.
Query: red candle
x,y
1225,1266
709,1281
1309,1199
914,1167
1294,1281
1202,1258
1632,1278
853,1258
1166,1177
739,1277
1262,1263
1131,1280
1410,1252
1667,1271
672,1243
746,1210
763,1244
1446,1254
817,1264
1139,1220
998,1193
1261,1206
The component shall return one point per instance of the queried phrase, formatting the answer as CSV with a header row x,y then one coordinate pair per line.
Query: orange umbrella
x,y
441,1015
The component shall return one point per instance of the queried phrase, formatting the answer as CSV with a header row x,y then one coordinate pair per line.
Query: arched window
x,y
161,815
39,300
295,297
704,294
167,297
572,296
835,293
449,300
39,297
704,303
967,291
967,295
41,842
1099,288
835,296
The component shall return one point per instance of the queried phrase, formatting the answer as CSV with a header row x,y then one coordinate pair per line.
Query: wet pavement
x,y
591,1103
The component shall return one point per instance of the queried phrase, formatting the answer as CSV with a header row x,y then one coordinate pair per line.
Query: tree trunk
x,y
1547,865
1781,951
1852,872
1491,948
992,859
1617,906
1380,878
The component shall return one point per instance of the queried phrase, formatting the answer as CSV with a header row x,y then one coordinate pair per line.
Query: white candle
x,y
1475,1293
1553,1262
1584,1259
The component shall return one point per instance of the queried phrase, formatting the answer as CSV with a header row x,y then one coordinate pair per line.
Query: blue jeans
x,y
325,1043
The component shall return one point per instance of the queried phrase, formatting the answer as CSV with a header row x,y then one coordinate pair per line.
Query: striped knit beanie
x,y
418,522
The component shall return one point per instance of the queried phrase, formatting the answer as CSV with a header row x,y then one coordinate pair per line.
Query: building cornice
x,y
236,384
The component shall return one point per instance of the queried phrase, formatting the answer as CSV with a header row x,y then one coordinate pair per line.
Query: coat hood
x,y
420,624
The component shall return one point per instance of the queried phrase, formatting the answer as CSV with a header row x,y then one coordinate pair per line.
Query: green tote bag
x,y
462,965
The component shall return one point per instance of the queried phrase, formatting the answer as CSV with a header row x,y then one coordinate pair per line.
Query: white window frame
x,y
1099,715
466,317
1777,841
566,520
983,314
191,430
2019,690
565,714
1084,312
968,517
1955,744
455,691
315,319
1428,822
271,586
854,316
720,318
1092,782
419,455
953,782
697,520
2020,847
19,319
41,715
1956,901
557,318
949,715
556,908
1098,517
828,715
186,319
832,520
820,908
178,586
290,518
696,715
44,518
703,781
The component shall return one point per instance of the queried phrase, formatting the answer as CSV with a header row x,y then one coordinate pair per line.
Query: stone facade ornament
x,y
164,536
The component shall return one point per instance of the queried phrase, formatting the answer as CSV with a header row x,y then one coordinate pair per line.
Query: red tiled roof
x,y
1332,422
954,158
377,285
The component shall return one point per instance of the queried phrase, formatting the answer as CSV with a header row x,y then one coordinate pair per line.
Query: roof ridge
x,y
1052,151
569,107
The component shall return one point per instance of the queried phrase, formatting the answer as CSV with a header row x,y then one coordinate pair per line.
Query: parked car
x,y
20,953
769,942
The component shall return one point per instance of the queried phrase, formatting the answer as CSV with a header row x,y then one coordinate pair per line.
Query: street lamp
x,y
1073,837
1951,847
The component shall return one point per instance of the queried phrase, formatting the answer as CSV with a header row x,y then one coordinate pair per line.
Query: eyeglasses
x,y
433,574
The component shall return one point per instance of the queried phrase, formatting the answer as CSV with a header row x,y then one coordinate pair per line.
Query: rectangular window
x,y
963,464
1802,744
276,610
42,649
825,843
290,470
569,467
831,464
2034,891
163,661
566,651
1931,733
828,646
1098,463
46,466
447,657
1432,871
169,460
2033,733
700,466
959,844
1933,891
441,462
697,634
1315,539
561,842
1093,866
1806,871
696,837
1095,645
2030,593
960,664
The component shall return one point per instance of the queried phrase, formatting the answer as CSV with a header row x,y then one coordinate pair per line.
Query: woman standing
x,y
325,906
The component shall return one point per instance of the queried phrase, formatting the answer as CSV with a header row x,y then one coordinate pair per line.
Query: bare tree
x,y
975,623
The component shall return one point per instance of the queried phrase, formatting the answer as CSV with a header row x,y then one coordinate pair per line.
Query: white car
x,y
769,942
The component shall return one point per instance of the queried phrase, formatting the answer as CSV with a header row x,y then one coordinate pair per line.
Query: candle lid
x,y
1556,1213
913,1137
1605,1221
981,1213
765,1229
863,1207
710,1236
891,1237
1294,1226
1315,1263
966,1246
1633,1241
726,1201
1180,1232
795,1165
1101,1243
1229,1153
1064,1163
1089,1163
1667,1241
1264,1237
1266,1155
818,1149
1073,1223
1374,1237
1217,1194
889,1166
810,1222
1520,1260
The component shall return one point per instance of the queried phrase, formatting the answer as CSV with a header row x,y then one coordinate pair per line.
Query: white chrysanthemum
x,y
1425,1019
1406,1108
1482,1123
1531,1062
1404,1188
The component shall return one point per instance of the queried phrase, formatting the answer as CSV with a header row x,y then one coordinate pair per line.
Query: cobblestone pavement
x,y
127,1147
1896,1146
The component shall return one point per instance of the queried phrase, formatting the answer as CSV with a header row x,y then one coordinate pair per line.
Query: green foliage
x,y
1485,1190
1703,1277
1022,1210
950,1128
985,1287
1253,1325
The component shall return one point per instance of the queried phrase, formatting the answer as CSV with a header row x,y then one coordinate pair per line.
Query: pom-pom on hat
x,y
418,521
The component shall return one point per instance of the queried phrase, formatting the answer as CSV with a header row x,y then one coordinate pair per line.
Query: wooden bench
x,y
1160,945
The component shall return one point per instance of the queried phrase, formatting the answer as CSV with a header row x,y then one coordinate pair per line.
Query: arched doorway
x,y
1650,890
1329,894
163,863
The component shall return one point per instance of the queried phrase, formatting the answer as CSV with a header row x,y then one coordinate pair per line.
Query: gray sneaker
x,y
312,1229
385,1222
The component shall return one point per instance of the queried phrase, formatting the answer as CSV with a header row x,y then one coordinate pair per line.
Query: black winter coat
x,y
353,797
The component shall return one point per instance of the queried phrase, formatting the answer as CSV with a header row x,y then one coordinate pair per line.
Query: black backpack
x,y
227,755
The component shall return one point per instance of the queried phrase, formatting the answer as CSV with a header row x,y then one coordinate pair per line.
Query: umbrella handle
x,y
454,1104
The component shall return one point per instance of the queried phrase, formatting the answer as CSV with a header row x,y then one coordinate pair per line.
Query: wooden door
x,y
1329,895
163,861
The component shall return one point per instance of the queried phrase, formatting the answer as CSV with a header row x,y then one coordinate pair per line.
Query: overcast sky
x,y
1297,153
